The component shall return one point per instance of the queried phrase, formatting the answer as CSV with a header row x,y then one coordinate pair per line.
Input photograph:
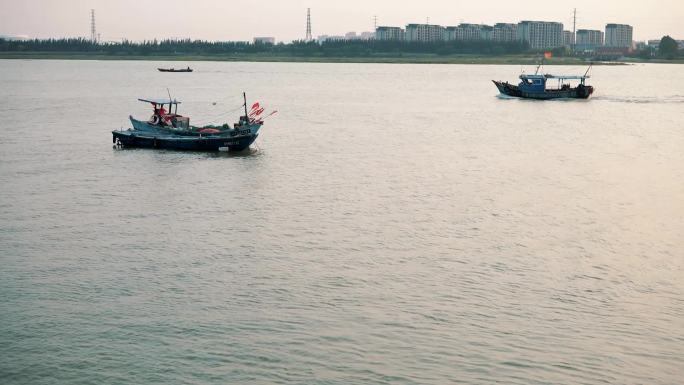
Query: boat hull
x,y
143,126
173,70
580,92
143,139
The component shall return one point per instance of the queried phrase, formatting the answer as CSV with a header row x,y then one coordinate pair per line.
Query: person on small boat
x,y
244,120
159,116
161,111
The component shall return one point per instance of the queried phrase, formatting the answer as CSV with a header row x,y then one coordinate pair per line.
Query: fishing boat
x,y
170,130
174,69
538,86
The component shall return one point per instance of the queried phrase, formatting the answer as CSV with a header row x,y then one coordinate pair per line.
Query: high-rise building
x,y
589,39
367,35
425,33
452,33
568,40
467,32
389,33
619,35
541,34
504,32
487,32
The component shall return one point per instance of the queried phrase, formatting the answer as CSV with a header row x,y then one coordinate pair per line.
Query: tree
x,y
668,47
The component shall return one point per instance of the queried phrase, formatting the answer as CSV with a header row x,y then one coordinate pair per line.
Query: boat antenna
x,y
170,101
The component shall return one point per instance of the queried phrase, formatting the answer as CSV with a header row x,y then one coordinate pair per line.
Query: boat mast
x,y
585,74
541,63
244,96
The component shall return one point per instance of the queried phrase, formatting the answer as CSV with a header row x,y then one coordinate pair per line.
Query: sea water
x,y
393,224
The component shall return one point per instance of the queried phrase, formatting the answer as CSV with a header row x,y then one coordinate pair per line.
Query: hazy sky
x,y
285,19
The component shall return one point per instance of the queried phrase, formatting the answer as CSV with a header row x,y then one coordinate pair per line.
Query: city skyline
x,y
242,20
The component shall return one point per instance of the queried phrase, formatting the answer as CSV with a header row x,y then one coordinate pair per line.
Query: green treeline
x,y
350,48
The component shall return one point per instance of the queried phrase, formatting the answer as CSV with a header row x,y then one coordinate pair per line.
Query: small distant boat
x,y
169,130
535,86
174,69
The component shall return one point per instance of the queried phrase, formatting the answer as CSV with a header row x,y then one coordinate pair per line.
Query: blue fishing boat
x,y
170,130
537,86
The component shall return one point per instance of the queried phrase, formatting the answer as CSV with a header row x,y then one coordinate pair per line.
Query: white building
x,y
389,33
367,35
14,38
487,32
469,32
264,40
568,40
361,36
425,33
541,34
619,35
641,45
589,39
324,38
505,32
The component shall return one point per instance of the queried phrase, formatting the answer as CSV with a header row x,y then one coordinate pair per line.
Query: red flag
x,y
255,105
256,112
548,55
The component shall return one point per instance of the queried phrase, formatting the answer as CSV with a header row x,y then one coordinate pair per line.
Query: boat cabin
x,y
537,83
167,118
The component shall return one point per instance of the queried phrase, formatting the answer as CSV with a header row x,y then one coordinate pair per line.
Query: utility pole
x,y
308,25
93,33
574,30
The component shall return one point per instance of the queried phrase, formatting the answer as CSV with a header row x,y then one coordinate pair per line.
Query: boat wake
x,y
642,99
249,152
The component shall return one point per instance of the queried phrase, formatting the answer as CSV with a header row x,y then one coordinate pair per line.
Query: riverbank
x,y
398,59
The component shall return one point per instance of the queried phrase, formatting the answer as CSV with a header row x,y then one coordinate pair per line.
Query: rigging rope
x,y
220,116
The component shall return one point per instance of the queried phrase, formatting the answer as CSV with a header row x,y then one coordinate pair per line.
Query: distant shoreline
x,y
403,59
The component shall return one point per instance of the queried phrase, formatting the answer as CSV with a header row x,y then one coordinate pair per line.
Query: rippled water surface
x,y
393,224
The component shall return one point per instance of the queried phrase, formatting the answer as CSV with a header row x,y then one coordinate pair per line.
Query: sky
x,y
286,19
